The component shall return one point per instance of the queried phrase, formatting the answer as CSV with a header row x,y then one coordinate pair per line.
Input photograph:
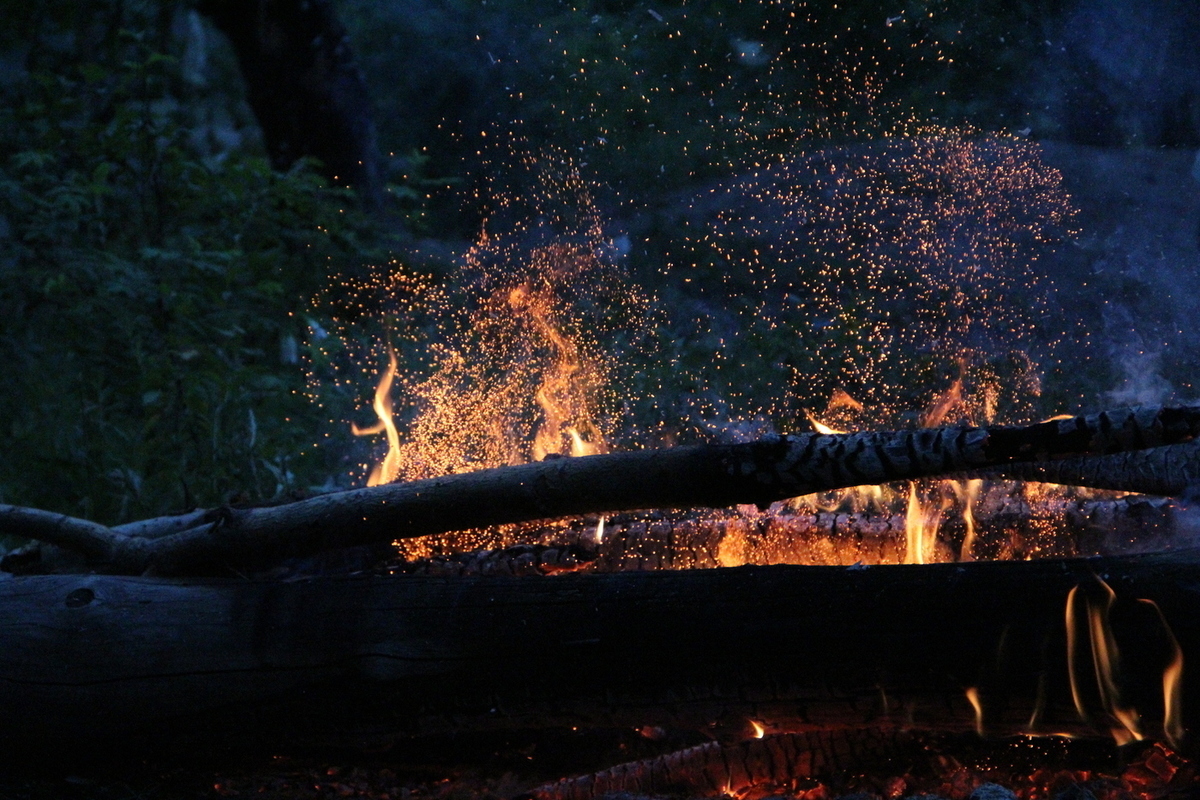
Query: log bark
x,y
93,664
1167,471
711,476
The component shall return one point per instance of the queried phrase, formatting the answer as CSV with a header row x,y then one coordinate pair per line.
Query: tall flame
x,y
1107,659
1172,683
388,469
1072,651
558,391
921,522
1106,662
973,698
967,492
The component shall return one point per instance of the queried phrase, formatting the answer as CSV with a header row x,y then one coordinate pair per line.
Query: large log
x,y
711,476
93,664
1172,470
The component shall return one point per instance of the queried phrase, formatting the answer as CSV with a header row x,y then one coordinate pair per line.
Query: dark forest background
x,y
178,180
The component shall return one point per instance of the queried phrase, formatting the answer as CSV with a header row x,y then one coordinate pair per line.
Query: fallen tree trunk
x,y
704,475
93,664
1168,471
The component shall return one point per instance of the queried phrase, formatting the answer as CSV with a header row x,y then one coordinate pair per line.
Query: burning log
x,y
715,770
1171,470
711,476
995,647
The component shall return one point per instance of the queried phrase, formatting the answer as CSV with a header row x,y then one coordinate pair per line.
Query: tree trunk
x,y
1171,471
95,663
712,476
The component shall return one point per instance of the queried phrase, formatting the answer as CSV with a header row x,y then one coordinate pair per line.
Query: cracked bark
x,y
709,476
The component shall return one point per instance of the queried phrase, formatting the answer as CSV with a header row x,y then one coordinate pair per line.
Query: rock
x,y
992,791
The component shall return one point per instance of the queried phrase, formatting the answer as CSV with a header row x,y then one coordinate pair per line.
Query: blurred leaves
x,y
146,296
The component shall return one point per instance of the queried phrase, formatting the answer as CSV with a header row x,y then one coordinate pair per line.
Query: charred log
x,y
631,542
1168,471
95,661
711,476
781,762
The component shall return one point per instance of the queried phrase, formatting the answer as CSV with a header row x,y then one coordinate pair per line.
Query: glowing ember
x,y
514,360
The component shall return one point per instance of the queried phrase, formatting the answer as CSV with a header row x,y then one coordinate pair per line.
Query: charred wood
x,y
781,762
93,661
711,476
1063,528
1173,470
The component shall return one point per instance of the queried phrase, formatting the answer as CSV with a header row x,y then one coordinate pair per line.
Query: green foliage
x,y
146,299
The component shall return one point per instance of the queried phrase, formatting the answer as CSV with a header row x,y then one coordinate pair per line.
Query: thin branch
x,y
711,476
94,541
156,527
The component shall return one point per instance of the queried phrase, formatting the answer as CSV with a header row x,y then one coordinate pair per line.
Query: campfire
x,y
774,735
880,599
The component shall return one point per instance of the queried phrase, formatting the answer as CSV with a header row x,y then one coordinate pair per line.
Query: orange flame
x,y
558,392
387,470
1106,661
1072,649
944,403
967,493
820,427
1106,658
921,522
973,698
1172,684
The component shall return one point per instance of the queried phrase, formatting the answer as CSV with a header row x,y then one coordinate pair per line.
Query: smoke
x,y
1141,381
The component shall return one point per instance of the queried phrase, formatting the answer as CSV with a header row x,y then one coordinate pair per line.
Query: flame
x,y
944,403
973,698
1172,684
1106,658
967,493
1039,704
558,395
516,354
1072,649
1106,661
921,522
820,427
759,730
386,470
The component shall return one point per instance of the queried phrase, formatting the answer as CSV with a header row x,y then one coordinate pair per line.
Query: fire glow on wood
x,y
905,254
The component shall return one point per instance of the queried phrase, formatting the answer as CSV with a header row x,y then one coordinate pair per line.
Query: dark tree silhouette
x,y
304,86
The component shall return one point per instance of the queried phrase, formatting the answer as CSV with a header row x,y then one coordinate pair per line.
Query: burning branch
x,y
1167,471
710,476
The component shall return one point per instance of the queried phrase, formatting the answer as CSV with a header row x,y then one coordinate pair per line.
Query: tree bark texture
x,y
89,664
711,476
301,81
1168,471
